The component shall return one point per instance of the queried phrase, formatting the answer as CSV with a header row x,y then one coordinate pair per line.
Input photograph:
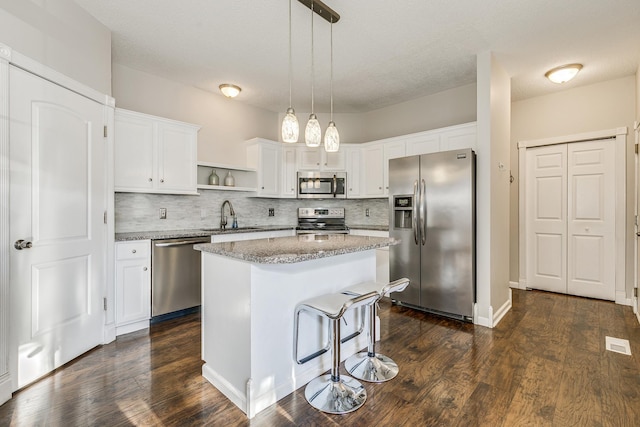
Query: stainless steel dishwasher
x,y
175,275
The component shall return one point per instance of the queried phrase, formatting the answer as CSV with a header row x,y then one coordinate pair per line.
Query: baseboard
x,y
482,321
621,298
109,333
515,285
504,309
5,388
236,396
132,327
638,317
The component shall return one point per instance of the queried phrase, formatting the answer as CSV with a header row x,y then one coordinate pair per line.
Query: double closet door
x,y
570,218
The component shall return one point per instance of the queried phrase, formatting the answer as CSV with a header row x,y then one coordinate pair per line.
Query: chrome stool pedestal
x,y
369,365
332,393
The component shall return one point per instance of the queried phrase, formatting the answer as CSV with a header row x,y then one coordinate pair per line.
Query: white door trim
x,y
8,56
619,138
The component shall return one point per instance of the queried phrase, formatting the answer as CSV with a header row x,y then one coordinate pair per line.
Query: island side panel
x,y
275,292
226,325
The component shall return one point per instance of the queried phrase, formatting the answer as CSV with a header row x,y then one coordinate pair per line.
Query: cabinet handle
x,y
133,251
263,188
150,179
318,164
144,268
351,189
379,188
162,180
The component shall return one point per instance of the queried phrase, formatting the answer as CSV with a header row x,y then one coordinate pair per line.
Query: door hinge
x,y
635,292
105,131
104,303
105,217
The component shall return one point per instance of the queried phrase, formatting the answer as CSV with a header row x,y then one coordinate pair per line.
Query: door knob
x,y
22,244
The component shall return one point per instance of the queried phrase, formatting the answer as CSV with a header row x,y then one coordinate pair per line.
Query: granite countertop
x,y
369,227
177,234
288,250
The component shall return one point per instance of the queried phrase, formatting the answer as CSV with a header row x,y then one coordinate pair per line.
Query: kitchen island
x,y
249,293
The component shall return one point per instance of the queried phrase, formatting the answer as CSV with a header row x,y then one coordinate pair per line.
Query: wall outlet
x,y
163,213
272,212
366,212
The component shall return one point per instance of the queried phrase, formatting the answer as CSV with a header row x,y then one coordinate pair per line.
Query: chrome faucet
x,y
223,219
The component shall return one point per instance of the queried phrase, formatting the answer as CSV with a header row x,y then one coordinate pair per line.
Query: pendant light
x,y
290,128
312,133
331,135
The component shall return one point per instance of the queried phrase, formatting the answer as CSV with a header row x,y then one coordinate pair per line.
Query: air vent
x,y
618,345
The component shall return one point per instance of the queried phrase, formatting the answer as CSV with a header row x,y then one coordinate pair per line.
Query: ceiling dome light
x,y
230,91
564,73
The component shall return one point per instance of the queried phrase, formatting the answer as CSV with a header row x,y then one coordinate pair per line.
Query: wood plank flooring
x,y
545,364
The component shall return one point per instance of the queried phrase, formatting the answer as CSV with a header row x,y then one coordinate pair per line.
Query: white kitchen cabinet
x,y
236,237
289,172
392,150
265,156
422,144
317,159
133,285
458,137
354,168
372,184
382,254
154,155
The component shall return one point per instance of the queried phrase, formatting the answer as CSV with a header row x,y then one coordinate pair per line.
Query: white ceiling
x,y
385,52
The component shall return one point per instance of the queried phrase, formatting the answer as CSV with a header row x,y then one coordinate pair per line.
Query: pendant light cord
x,y
290,64
312,71
331,73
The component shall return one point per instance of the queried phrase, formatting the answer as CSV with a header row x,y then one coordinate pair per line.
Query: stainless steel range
x,y
321,221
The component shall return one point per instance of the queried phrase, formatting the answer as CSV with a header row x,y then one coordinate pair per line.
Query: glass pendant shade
x,y
331,138
312,133
290,127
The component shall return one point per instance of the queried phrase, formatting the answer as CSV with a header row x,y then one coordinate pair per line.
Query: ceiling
x,y
385,52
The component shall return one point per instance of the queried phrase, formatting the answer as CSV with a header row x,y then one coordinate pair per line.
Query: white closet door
x,y
57,201
546,224
591,220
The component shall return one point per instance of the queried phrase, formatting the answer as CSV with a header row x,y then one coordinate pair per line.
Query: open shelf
x,y
245,178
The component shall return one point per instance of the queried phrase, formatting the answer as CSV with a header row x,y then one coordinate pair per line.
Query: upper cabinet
x,y
316,159
265,156
154,155
289,171
354,167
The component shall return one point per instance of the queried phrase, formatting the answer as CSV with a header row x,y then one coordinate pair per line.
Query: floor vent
x,y
618,345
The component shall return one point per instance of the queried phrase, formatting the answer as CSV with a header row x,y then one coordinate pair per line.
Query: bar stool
x,y
332,393
369,365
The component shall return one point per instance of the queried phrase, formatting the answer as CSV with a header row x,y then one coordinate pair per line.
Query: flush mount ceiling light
x,y
229,90
564,73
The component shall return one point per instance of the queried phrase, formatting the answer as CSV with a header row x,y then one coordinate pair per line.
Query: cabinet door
x,y
134,156
354,157
455,139
423,144
288,172
177,151
269,170
333,161
309,158
392,150
133,291
372,171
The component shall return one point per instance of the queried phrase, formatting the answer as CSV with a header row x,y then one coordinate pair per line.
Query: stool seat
x,y
332,393
367,365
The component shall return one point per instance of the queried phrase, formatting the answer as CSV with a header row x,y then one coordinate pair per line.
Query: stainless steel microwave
x,y
322,185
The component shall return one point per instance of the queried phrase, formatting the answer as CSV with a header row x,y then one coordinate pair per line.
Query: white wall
x,y
601,106
446,108
492,191
60,35
226,123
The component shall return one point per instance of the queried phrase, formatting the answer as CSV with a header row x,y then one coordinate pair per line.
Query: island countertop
x,y
288,250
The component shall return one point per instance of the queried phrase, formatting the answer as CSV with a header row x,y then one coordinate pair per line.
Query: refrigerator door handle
x,y
423,212
414,219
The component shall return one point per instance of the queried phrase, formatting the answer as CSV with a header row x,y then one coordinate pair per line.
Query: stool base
x,y
333,397
375,369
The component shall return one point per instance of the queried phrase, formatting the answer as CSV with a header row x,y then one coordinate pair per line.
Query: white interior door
x,y
591,220
57,200
546,227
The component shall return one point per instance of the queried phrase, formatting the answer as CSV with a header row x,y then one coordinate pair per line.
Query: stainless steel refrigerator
x,y
432,212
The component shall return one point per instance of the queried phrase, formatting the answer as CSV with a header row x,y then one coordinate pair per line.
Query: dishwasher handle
x,y
180,243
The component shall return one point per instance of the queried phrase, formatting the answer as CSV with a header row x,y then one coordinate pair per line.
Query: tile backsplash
x,y
140,212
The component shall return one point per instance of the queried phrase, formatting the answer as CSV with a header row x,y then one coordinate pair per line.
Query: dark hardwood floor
x,y
545,364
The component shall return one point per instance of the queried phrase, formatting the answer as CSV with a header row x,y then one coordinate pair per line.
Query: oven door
x,y
316,185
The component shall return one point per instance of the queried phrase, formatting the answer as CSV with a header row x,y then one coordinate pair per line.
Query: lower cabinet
x,y
133,285
382,254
